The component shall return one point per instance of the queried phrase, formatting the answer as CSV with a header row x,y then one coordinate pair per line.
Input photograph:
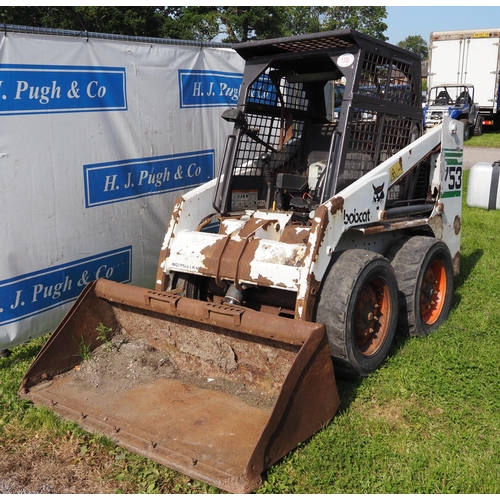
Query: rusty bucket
x,y
216,392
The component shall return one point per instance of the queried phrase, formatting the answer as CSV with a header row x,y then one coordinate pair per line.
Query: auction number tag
x,y
345,60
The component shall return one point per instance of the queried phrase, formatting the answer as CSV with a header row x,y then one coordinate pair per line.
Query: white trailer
x,y
468,57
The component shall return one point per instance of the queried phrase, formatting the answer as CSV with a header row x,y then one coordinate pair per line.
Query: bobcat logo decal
x,y
378,193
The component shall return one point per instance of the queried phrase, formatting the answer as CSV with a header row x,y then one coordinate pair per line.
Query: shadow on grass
x,y
467,264
22,353
348,390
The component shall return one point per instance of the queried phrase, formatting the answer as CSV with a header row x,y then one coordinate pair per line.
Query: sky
x,y
422,20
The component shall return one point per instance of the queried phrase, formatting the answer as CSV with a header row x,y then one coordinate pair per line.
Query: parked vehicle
x,y
468,57
455,101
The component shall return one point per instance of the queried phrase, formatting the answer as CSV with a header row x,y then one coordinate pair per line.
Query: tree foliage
x,y
367,20
416,44
202,23
133,21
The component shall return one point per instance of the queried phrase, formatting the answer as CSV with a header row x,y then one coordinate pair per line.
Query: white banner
x,y
97,139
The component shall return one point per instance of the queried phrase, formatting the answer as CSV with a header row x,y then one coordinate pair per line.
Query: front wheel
x,y
424,271
358,305
465,122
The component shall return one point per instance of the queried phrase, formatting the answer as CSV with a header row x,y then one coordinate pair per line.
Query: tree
x,y
133,21
252,23
226,24
191,23
416,44
367,20
247,23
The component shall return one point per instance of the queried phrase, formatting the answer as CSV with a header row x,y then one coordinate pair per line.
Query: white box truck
x,y
468,57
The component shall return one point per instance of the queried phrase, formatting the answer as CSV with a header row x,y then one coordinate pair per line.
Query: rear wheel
x,y
424,271
478,127
358,305
465,122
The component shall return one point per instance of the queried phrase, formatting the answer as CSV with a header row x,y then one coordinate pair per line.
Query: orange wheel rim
x,y
372,317
433,292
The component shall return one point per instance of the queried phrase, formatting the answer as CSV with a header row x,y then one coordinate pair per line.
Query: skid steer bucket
x,y
216,392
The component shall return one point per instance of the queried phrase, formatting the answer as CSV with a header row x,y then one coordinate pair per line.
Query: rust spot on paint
x,y
457,224
337,204
252,225
177,210
295,234
161,282
304,308
261,281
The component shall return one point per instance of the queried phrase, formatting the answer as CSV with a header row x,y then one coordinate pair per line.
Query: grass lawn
x,y
489,139
427,422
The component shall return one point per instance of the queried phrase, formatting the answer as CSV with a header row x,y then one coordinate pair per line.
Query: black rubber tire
x,y
418,263
359,294
478,127
465,121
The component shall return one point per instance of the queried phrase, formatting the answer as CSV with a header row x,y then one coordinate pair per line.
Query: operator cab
x,y
309,123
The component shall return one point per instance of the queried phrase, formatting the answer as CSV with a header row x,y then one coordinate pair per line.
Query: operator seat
x,y
443,98
464,98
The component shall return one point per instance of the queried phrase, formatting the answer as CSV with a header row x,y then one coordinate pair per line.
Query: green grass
x,y
489,139
427,422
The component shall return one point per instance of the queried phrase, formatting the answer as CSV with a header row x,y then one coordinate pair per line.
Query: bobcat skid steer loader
x,y
329,229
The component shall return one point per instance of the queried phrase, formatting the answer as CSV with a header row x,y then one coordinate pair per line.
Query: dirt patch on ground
x,y
41,465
